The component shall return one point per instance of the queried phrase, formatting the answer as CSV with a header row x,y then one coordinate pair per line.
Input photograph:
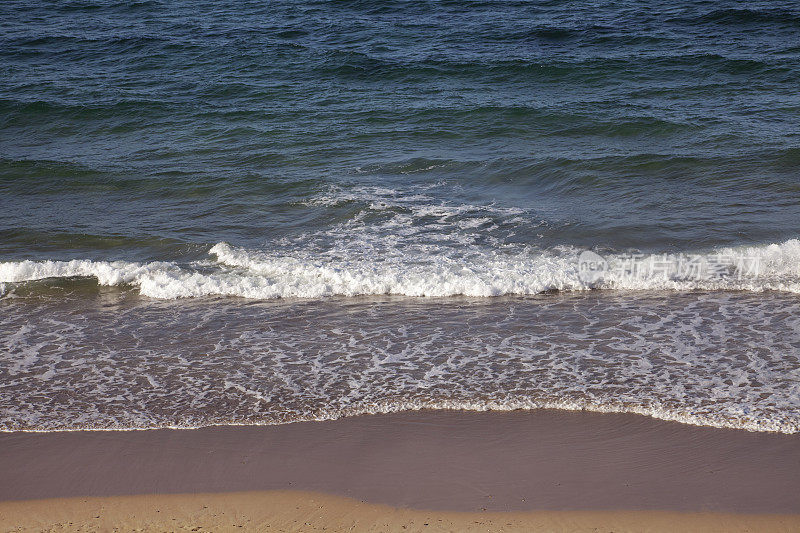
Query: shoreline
x,y
683,419
544,467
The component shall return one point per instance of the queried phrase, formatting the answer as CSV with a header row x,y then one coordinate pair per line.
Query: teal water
x,y
186,159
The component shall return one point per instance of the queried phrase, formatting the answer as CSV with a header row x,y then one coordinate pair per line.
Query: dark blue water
x,y
334,150
173,124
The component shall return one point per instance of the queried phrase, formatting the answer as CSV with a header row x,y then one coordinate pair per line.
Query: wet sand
x,y
516,463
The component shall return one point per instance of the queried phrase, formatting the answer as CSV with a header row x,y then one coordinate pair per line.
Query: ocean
x,y
265,212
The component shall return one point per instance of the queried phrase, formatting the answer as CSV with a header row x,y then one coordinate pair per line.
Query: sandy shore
x,y
451,470
304,511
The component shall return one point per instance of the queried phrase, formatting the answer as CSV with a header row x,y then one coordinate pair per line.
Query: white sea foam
x,y
716,359
419,271
106,273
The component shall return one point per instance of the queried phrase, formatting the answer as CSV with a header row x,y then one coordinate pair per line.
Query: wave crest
x,y
419,273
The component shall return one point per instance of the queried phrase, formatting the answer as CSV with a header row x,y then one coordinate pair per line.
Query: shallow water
x,y
111,359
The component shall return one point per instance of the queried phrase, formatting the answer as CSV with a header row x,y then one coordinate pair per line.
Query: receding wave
x,y
715,359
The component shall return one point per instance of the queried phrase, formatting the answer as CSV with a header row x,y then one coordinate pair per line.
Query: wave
x,y
27,107
431,272
92,5
772,17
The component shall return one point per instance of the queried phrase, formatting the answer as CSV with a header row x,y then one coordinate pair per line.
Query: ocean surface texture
x,y
260,212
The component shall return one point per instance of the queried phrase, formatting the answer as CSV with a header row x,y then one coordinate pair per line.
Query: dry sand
x,y
303,511
459,471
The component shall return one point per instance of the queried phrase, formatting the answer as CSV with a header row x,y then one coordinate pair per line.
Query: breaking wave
x,y
425,273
